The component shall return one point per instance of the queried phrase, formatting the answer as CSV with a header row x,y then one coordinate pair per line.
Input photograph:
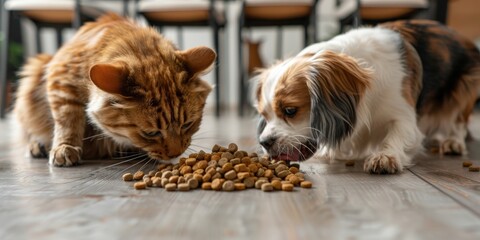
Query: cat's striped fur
x,y
114,86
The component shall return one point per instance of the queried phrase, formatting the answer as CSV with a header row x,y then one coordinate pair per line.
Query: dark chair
x,y
187,13
373,12
58,15
273,13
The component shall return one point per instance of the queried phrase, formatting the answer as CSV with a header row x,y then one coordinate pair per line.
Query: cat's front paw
x,y
38,150
65,155
382,164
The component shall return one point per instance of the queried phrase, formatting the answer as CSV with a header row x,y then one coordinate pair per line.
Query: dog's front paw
x,y
382,164
65,155
453,147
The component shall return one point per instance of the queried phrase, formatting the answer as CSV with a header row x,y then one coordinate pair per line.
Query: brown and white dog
x,y
375,94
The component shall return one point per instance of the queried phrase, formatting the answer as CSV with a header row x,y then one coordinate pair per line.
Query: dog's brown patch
x,y
412,83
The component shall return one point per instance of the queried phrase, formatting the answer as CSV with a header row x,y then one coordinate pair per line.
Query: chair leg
x,y
6,19
38,42
305,35
279,42
217,71
180,37
58,33
241,73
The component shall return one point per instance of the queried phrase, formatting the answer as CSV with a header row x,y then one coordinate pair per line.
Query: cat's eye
x,y
151,134
290,111
187,125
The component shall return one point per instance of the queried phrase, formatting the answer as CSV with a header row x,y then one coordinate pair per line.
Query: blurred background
x,y
247,34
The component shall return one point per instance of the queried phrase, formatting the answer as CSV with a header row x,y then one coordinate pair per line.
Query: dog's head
x,y
308,102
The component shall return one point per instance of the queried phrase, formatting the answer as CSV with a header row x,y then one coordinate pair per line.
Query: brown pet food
x,y
474,169
350,163
467,164
127,177
140,185
225,168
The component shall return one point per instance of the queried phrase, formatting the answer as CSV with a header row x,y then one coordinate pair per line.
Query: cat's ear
x,y
199,60
109,77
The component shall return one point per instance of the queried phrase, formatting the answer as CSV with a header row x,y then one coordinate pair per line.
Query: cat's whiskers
x,y
100,135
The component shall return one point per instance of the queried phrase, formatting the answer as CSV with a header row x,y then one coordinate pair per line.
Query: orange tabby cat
x,y
114,86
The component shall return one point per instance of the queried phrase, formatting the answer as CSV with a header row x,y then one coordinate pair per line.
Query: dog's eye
x,y
290,111
151,134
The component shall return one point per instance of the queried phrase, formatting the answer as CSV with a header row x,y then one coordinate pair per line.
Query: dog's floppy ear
x,y
336,84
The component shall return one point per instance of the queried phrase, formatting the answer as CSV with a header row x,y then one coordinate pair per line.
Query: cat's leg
x,y
68,112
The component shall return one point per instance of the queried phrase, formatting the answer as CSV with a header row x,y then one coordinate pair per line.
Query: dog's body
x,y
373,94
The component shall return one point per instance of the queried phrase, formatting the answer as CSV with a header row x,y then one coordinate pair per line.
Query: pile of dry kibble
x,y
470,166
226,169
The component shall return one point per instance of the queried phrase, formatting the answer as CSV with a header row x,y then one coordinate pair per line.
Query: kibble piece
x,y
267,187
216,176
222,162
293,170
232,147
175,172
238,154
207,186
350,163
253,167
201,155
235,161
474,169
173,179
253,154
207,157
164,182
167,174
259,183
216,184
228,186
158,174
211,171
191,161
306,184
243,175
246,160
223,149
264,162
148,181
241,168
157,182
260,172
268,173
151,173
240,186
280,168
249,182
171,187
283,173
215,157
138,175
216,148
193,155
277,185
227,167
206,177
287,187
294,180
230,175
199,171
185,169
193,183
127,177
467,164
183,187
227,155
202,164
300,175
181,179
140,185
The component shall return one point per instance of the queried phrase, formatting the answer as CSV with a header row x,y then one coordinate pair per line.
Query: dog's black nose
x,y
267,143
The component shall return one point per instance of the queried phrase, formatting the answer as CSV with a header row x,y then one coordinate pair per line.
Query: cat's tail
x,y
31,107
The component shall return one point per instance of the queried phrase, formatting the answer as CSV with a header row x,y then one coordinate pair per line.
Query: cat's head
x,y
154,103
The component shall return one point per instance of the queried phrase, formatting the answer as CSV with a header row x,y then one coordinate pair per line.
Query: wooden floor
x,y
436,199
